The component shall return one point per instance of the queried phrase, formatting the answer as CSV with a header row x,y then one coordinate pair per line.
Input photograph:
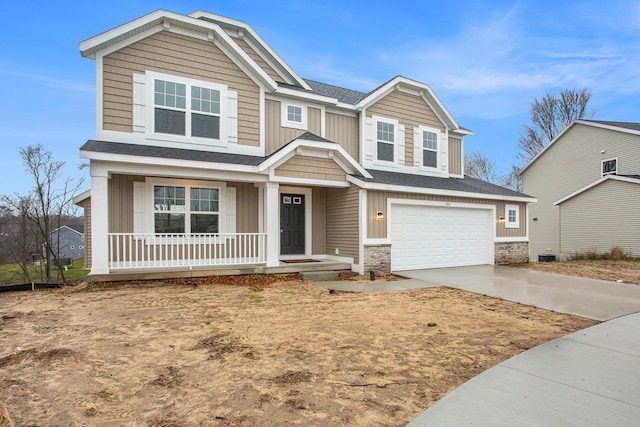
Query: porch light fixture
x,y
501,219
379,215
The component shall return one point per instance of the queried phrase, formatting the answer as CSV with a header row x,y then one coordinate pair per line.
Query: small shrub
x,y
615,254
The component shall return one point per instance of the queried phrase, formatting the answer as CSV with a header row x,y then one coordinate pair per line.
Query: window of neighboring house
x,y
429,149
385,140
81,247
609,167
71,247
187,108
294,116
512,216
180,210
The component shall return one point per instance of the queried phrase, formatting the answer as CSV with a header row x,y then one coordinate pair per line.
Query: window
x,y
294,116
187,107
185,209
429,149
385,137
512,216
609,167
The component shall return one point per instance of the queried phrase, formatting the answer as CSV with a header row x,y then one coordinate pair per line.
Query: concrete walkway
x,y
588,378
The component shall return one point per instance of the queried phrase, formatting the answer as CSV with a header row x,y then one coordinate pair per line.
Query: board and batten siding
x,y
377,201
569,164
601,218
121,204
455,156
343,130
319,222
311,168
342,222
86,205
277,136
178,55
411,111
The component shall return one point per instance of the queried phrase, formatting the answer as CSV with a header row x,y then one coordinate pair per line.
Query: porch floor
x,y
203,271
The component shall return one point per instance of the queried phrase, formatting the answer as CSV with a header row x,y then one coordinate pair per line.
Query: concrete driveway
x,y
595,299
588,378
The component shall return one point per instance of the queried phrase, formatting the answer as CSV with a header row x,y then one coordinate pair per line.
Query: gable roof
x,y
75,228
633,179
627,127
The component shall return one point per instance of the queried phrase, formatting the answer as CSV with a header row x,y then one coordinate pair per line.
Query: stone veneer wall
x,y
511,252
377,258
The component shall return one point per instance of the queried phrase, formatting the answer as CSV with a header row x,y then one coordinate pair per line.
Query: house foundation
x,y
511,252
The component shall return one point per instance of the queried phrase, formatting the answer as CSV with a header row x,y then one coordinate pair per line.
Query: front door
x,y
291,224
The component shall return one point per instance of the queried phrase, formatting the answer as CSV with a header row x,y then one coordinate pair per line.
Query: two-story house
x,y
212,153
586,182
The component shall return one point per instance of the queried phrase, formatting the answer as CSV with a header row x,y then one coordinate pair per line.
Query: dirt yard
x,y
627,271
220,355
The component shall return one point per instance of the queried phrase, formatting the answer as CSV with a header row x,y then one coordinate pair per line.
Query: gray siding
x,y
570,164
601,218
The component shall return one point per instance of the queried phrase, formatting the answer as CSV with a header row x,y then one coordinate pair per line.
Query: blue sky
x,y
486,60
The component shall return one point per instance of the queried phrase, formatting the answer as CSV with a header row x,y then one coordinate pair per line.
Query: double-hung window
x,y
385,141
186,107
429,149
179,210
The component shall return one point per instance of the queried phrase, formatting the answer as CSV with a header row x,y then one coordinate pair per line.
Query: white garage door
x,y
438,236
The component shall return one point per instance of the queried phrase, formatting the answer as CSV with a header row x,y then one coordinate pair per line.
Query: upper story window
x,y
185,109
610,167
294,116
429,149
385,140
178,209
512,216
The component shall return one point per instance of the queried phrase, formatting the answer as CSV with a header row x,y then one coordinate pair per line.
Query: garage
x,y
433,236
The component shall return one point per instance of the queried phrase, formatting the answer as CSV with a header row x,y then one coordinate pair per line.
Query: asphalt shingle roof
x,y
170,153
467,184
347,96
625,125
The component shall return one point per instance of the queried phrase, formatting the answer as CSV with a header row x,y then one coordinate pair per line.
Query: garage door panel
x,y
438,236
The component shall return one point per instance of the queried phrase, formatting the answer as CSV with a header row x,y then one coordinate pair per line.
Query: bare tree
x,y
513,180
477,165
45,205
550,116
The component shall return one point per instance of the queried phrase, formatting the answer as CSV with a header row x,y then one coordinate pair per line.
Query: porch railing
x,y
136,250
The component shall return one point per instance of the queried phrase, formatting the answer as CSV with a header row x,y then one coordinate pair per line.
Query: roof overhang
x,y
596,183
308,147
436,191
159,20
81,197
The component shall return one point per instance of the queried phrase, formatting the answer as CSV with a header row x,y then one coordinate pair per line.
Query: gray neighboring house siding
x,y
70,240
570,163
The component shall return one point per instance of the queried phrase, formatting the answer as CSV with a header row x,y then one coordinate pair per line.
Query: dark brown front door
x,y
291,224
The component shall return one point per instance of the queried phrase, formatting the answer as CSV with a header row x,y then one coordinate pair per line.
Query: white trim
x,y
433,191
308,217
374,242
375,161
516,223
81,197
298,94
593,184
284,115
511,239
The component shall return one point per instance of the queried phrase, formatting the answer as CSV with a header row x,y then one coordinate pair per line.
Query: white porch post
x,y
99,221
272,223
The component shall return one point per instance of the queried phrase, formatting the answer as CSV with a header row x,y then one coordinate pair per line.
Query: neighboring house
x,y
586,182
212,153
68,241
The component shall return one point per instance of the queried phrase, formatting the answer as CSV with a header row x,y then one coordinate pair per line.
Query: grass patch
x,y
255,297
614,254
11,274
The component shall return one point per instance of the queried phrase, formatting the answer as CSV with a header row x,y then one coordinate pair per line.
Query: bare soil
x,y
627,271
284,353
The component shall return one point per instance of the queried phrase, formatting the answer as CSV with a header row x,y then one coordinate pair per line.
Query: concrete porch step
x,y
319,275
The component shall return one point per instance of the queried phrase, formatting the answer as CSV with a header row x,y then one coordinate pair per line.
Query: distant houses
x,y
68,242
